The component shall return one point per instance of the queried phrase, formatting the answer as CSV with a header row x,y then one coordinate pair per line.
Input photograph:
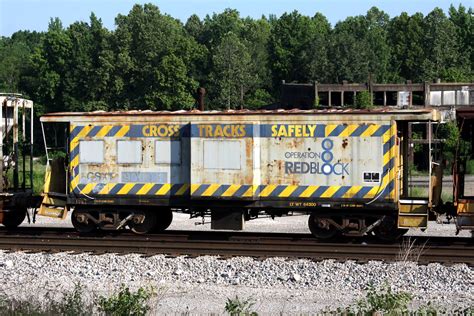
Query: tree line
x,y
154,61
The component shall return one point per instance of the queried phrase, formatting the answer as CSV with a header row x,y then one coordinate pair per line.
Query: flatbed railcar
x,y
347,168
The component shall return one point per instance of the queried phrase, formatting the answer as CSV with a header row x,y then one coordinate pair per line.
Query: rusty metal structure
x,y
16,158
403,95
347,168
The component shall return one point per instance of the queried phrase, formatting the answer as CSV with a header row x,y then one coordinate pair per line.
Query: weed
x,y
237,307
409,251
126,302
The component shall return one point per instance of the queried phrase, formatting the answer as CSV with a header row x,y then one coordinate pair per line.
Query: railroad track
x,y
225,244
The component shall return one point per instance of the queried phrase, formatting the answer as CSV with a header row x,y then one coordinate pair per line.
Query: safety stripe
x,y
234,190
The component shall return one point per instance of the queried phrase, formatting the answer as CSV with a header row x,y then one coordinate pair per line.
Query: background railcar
x,y
348,168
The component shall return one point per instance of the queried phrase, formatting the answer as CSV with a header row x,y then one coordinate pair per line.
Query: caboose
x,y
347,168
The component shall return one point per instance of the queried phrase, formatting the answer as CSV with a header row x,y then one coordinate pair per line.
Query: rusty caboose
x,y
347,168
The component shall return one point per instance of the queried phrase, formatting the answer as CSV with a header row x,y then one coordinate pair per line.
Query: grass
x,y
238,307
409,251
39,169
124,303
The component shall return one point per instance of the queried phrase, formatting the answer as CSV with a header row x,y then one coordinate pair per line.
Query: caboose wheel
x,y
388,229
14,218
143,222
163,221
321,227
81,222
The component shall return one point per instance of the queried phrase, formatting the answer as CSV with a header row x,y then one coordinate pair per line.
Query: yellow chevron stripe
x,y
352,191
231,190
375,190
370,130
81,134
309,190
288,190
349,130
74,182
104,130
75,161
107,188
268,190
330,191
211,189
329,129
88,188
164,189
145,188
248,193
124,130
194,187
126,188
183,189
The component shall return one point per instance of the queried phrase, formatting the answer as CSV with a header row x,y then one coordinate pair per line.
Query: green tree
x,y
440,46
231,74
146,44
406,39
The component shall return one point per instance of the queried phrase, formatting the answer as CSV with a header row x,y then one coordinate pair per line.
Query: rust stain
x,y
345,142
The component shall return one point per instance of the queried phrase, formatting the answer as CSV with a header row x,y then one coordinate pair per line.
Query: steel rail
x,y
260,245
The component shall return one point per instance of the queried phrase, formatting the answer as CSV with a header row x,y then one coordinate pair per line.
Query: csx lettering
x,y
100,176
230,130
293,130
163,130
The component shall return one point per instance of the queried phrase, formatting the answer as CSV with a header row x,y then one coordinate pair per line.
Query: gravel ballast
x,y
202,285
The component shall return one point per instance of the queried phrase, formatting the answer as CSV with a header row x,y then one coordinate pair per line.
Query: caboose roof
x,y
379,113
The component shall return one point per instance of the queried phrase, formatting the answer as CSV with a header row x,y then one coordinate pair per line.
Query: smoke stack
x,y
200,93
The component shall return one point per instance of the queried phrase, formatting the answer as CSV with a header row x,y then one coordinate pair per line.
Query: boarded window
x,y
129,151
222,154
168,152
91,151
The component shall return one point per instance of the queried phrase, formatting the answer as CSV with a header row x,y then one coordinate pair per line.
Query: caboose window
x,y
129,151
168,152
222,154
91,151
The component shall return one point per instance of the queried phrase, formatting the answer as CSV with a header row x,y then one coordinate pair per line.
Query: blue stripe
x,y
388,145
387,190
221,190
175,188
154,189
242,190
320,131
278,190
94,131
319,191
136,188
114,130
201,189
74,153
341,191
116,188
359,130
98,188
389,165
298,191
362,192
338,130
76,130
381,130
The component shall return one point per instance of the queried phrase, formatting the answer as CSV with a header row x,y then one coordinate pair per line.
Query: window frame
x,y
92,162
129,140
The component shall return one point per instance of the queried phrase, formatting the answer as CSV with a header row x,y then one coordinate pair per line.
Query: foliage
x,y
72,304
153,61
237,307
382,301
364,100
126,302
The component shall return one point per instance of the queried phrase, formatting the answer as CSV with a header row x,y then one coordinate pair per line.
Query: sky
x,y
34,15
